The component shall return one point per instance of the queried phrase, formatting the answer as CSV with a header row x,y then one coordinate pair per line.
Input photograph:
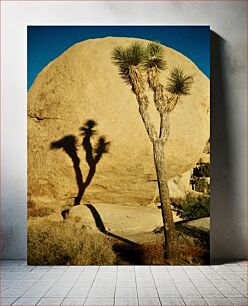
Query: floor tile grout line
x,y
87,295
220,266
72,286
38,301
172,276
175,286
25,291
241,264
236,304
44,293
50,267
221,304
25,262
155,287
237,273
238,265
136,285
30,288
208,303
210,283
193,283
14,301
25,305
232,285
226,280
117,271
214,284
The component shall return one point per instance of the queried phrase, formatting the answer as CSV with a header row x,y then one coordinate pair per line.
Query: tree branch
x,y
163,103
164,127
171,103
143,102
159,96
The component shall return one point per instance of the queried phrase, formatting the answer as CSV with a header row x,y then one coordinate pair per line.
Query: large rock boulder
x,y
83,84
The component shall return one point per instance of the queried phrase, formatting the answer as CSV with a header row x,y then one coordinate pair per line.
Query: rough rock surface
x,y
205,158
83,84
180,185
113,218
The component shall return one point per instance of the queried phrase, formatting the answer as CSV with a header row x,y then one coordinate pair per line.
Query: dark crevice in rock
x,y
40,118
65,213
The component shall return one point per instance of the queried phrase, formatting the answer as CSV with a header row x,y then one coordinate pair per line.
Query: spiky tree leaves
x,y
154,57
151,58
135,54
125,58
179,83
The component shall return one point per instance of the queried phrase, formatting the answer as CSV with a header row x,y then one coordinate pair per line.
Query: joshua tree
x,y
140,67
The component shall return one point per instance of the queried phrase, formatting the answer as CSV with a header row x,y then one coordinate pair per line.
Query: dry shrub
x,y
31,204
127,254
192,251
189,251
192,254
38,211
152,253
67,243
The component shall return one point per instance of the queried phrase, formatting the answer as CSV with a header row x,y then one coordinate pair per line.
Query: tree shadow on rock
x,y
128,251
68,144
100,225
93,155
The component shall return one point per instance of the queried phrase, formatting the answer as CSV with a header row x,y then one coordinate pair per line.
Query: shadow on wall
x,y
93,155
225,232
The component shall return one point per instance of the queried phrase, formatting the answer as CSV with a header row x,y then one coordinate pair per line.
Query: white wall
x,y
228,104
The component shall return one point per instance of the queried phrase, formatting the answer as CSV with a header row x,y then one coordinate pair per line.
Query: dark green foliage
x,y
151,56
137,55
178,82
191,207
201,185
200,173
154,57
126,57
202,170
197,171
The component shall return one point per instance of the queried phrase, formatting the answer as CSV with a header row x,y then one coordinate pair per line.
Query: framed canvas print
x,y
118,145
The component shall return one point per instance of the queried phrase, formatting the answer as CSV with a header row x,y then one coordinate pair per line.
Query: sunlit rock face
x,y
83,84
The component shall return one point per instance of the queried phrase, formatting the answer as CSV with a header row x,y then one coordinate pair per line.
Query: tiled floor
x,y
123,285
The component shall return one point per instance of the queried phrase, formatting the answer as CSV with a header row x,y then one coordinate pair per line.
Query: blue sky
x,y
45,43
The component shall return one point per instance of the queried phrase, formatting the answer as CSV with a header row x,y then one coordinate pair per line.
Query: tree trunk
x,y
169,227
158,151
